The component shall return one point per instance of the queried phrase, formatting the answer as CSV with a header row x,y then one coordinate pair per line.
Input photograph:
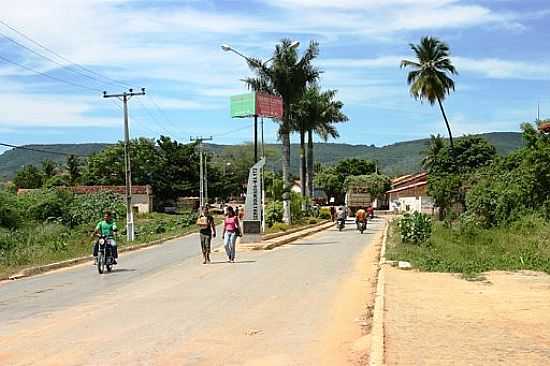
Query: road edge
x,y
32,271
278,241
286,239
376,355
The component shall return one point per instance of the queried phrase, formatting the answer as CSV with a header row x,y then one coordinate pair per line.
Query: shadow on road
x,y
315,243
120,270
236,262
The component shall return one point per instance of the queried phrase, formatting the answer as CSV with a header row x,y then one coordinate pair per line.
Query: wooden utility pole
x,y
203,190
124,97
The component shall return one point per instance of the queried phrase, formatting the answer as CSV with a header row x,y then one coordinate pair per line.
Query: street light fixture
x,y
228,48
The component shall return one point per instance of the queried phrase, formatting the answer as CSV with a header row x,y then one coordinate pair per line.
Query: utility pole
x,y
125,96
203,190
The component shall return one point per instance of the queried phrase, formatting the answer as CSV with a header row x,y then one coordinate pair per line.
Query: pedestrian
x,y
332,213
231,230
207,232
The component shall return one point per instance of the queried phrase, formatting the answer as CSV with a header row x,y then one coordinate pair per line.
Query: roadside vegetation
x,y
50,225
494,212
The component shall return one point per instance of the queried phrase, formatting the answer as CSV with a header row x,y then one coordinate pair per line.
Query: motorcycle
x,y
341,223
105,258
362,226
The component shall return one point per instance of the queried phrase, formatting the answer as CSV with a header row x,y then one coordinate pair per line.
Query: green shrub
x,y
279,226
324,214
273,213
89,208
415,228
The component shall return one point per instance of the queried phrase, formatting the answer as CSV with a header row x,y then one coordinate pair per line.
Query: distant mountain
x,y
395,159
13,160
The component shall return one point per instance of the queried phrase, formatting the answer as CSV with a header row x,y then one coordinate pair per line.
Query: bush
x,y
273,213
88,208
279,226
415,228
324,214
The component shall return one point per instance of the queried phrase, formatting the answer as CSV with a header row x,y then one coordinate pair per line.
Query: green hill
x,y
14,159
395,159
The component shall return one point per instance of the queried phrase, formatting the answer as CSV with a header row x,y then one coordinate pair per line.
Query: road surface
x,y
162,306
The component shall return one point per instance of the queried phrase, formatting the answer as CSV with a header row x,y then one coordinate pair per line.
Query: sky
x,y
500,48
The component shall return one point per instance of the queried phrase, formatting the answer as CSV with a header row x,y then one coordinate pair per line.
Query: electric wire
x,y
110,80
78,85
53,152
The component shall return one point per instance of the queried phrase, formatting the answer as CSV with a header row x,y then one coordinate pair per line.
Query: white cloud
x,y
25,110
495,68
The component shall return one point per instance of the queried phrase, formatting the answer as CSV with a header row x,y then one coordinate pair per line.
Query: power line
x,y
110,80
49,58
43,151
49,76
233,131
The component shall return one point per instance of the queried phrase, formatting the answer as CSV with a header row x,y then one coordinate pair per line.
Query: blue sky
x,y
500,48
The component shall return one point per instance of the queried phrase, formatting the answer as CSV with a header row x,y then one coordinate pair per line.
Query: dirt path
x,y
280,307
441,319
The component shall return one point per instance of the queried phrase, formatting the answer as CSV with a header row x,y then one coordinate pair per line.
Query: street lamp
x,y
228,48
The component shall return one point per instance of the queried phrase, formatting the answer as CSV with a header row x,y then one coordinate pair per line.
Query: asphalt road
x,y
161,306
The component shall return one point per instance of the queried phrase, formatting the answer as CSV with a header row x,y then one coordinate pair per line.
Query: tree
x,y
73,167
453,169
433,147
29,177
170,167
287,76
316,112
330,183
429,78
355,166
49,168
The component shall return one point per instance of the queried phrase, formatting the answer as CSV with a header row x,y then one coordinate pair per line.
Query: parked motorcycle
x,y
105,258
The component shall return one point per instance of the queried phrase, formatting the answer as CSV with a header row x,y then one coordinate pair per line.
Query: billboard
x,y
256,104
243,105
269,106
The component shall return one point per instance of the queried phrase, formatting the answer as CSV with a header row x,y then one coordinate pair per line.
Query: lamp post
x,y
228,48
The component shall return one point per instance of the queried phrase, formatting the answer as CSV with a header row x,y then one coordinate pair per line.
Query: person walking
x,y
332,213
231,230
207,232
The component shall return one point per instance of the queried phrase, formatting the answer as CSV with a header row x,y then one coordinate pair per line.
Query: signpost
x,y
255,105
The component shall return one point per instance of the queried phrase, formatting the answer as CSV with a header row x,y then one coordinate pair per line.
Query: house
x,y
142,196
409,193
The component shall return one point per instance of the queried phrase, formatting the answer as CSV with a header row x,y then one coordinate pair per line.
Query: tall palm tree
x,y
287,76
429,78
317,112
433,147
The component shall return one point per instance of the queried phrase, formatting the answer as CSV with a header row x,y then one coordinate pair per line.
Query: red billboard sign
x,y
269,106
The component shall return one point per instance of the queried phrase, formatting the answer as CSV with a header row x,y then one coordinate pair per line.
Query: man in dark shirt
x,y
207,231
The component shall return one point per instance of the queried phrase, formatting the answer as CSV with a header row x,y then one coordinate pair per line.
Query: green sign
x,y
243,105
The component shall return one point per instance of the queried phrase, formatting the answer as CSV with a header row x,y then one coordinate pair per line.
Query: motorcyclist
x,y
361,218
107,228
370,211
341,214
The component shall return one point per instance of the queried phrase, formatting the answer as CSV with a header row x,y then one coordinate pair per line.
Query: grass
x,y
282,227
523,245
38,244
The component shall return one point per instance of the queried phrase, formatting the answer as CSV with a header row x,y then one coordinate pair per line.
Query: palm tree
x,y
287,76
429,78
433,147
317,112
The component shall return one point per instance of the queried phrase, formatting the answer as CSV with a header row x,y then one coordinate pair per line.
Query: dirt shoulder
x,y
347,338
442,319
